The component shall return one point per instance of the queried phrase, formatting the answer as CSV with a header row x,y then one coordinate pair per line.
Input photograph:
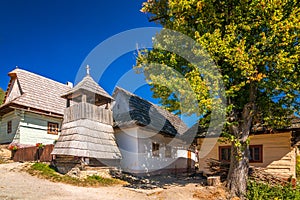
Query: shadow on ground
x,y
160,181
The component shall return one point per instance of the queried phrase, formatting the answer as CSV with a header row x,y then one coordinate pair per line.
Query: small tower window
x,y
9,127
155,149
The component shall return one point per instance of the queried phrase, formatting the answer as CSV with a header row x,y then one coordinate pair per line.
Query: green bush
x,y
261,191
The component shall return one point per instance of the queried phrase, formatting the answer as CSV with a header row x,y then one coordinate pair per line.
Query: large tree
x,y
254,44
2,94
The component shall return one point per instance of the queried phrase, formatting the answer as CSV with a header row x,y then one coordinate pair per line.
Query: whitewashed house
x,y
148,137
32,110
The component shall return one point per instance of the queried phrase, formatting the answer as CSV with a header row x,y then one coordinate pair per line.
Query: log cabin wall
x,y
278,156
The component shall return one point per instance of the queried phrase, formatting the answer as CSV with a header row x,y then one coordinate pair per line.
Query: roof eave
x,y
11,106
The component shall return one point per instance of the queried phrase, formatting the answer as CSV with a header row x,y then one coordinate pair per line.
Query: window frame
x,y
50,128
228,148
155,149
9,127
260,146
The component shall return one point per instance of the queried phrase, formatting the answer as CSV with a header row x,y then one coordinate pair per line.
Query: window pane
x,y
250,154
9,127
225,153
52,128
155,149
228,153
256,155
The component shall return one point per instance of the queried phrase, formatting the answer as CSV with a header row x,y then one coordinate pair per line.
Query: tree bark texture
x,y
239,163
238,172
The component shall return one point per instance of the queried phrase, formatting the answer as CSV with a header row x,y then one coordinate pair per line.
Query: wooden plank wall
x,y
279,157
88,111
33,154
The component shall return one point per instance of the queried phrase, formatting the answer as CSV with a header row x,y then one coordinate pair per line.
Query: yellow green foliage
x,y
2,94
255,48
255,44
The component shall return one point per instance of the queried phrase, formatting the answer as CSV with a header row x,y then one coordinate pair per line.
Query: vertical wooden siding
x,y
33,154
88,111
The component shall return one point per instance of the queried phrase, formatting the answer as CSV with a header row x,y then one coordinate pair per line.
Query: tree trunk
x,y
238,172
239,164
214,181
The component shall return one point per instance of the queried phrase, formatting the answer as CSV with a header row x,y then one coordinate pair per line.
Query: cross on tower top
x,y
88,70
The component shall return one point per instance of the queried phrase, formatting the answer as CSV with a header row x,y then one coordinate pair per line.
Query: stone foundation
x,y
76,167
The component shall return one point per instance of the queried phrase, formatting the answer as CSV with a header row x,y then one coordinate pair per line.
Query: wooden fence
x,y
33,154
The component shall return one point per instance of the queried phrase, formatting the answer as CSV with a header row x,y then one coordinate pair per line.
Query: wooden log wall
x,y
88,111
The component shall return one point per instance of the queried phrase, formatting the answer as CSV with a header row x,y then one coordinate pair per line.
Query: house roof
x,y
256,129
147,114
36,92
87,84
295,122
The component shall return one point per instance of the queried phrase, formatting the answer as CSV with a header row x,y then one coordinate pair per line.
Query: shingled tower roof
x,y
87,85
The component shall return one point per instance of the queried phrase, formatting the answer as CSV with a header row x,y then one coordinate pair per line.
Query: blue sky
x,y
52,38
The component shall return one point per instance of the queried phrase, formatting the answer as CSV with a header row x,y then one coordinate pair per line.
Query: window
x,y
255,153
168,152
155,149
52,128
9,127
224,153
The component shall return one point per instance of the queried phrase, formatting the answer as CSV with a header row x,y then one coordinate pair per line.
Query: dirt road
x,y
15,184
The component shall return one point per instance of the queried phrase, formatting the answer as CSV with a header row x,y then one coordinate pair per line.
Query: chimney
x,y
70,84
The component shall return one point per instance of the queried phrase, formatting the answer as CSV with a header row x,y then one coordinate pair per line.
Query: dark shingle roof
x,y
258,128
88,84
145,113
38,92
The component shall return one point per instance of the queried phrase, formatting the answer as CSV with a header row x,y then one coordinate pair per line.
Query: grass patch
x,y
262,191
46,171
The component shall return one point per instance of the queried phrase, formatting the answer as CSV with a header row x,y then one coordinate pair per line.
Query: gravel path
x,y
16,184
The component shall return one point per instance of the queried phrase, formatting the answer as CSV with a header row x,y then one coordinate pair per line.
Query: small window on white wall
x,y
52,128
155,149
9,127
